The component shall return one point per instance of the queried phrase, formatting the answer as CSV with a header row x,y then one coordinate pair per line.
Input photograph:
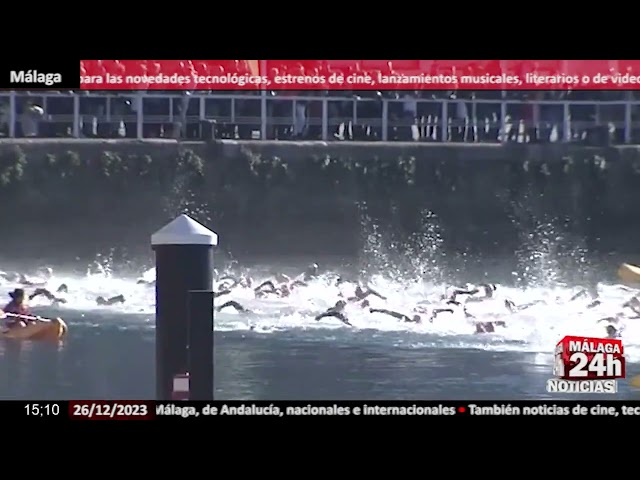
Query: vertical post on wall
x,y
184,262
13,114
263,103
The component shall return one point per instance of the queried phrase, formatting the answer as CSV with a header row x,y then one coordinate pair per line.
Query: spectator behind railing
x,y
30,119
411,116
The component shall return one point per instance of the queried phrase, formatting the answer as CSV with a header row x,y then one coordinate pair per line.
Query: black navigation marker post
x,y
184,262
201,311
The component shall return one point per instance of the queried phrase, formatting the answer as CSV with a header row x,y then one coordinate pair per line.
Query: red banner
x,y
360,74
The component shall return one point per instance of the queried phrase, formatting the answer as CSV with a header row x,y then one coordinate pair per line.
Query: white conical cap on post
x,y
184,230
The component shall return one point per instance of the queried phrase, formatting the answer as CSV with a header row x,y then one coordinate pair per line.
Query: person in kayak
x,y
17,306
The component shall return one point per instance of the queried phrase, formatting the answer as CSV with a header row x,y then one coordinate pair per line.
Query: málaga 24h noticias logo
x,y
587,365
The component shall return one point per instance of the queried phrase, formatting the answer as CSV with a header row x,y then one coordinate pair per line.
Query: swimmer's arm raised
x,y
333,314
371,291
233,304
267,286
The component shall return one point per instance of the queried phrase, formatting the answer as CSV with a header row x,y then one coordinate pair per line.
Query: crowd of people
x,y
351,115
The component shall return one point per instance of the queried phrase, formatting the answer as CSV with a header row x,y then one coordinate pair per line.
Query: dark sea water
x,y
116,361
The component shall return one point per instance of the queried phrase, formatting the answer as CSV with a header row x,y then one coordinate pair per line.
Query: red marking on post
x,y
589,358
180,387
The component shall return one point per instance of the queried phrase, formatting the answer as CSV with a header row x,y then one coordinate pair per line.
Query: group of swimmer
x,y
17,314
282,286
456,299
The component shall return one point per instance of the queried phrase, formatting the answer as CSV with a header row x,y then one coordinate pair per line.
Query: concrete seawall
x,y
79,197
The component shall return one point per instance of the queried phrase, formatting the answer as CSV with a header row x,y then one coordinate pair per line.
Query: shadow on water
x,y
92,363
253,366
115,360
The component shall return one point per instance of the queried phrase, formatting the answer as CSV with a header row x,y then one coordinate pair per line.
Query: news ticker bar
x,y
184,410
322,74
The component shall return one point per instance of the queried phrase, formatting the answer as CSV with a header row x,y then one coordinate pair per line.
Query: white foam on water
x,y
536,329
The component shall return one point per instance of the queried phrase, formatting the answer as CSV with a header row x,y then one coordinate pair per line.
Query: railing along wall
x,y
265,111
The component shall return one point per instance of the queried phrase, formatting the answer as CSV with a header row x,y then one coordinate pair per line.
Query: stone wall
x,y
67,198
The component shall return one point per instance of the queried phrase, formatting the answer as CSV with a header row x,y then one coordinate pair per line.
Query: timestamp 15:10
x,y
42,409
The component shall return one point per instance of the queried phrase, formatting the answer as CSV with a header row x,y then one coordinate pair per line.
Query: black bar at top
x,y
40,74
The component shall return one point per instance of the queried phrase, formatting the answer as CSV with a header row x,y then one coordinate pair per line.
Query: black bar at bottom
x,y
413,409
46,411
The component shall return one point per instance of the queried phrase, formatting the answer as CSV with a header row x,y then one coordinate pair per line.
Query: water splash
x,y
181,199
416,258
426,254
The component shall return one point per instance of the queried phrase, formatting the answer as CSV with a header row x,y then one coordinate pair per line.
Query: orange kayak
x,y
46,330
629,273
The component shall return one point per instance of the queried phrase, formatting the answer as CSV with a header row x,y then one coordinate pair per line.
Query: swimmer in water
x,y
513,308
265,288
47,273
489,327
12,277
300,281
590,292
478,293
229,282
407,318
235,305
282,291
107,302
96,268
220,293
339,280
614,319
50,296
634,306
361,294
310,273
337,311
397,315
485,327
612,332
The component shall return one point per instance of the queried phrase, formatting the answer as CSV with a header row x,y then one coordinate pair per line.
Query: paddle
x,y
30,318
